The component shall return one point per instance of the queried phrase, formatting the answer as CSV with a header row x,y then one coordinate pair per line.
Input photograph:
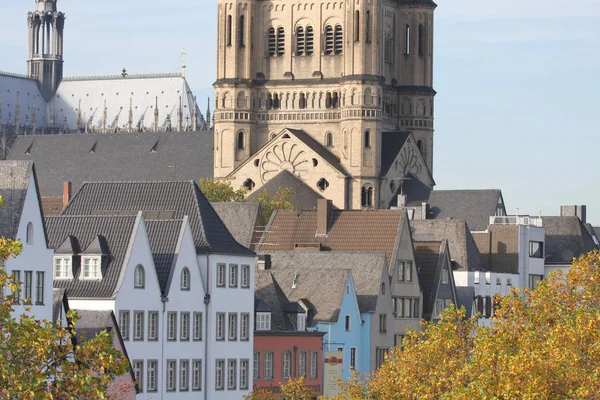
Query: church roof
x,y
18,89
391,144
116,156
304,198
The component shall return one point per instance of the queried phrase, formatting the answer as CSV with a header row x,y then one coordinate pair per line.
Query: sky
x,y
516,80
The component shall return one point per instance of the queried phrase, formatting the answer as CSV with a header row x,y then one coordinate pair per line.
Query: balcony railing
x,y
516,220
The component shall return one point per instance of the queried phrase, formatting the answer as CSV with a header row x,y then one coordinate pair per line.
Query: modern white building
x,y
159,257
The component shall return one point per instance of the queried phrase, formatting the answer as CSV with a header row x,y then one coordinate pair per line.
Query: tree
x,y
294,389
38,359
281,200
543,344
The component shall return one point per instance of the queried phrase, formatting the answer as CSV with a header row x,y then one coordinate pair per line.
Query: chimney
x,y
324,212
66,193
402,198
574,211
424,210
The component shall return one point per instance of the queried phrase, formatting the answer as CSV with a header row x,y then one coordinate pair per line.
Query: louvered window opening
x,y
329,40
280,41
272,42
339,39
300,41
309,40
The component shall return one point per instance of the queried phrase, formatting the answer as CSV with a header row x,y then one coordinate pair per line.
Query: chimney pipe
x,y
66,193
324,212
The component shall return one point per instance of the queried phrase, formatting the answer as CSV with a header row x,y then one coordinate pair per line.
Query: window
x,y
171,374
229,29
138,371
241,31
314,362
245,278
421,40
329,40
353,357
534,280
185,279
139,277
231,374
444,276
367,139
29,233
329,139
416,310
240,140
407,43
152,325
62,268
382,322
152,371
347,323
91,268
28,286
219,374
309,41
368,27
184,377
171,325
476,277
301,322
233,275
357,26
124,324
39,288
244,369
367,196
263,321
339,40
232,326
256,366
197,375
245,326
184,334
438,307
220,326
536,249
280,41
404,271
198,326
272,46
302,363
398,339
221,275
300,41
380,354
286,364
268,365
17,280
138,325
382,287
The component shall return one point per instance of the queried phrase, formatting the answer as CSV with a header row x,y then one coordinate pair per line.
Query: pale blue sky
x,y
516,80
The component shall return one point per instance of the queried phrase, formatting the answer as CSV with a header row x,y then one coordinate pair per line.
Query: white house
x,y
22,219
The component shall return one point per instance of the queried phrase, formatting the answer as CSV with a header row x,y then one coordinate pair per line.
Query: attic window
x,y
63,268
91,268
263,321
301,322
286,136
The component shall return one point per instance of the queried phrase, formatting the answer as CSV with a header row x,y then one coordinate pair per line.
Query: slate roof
x,y
78,158
465,295
566,238
178,199
304,197
350,230
416,192
473,206
463,249
319,149
427,260
242,219
59,300
163,236
596,230
14,181
391,144
270,298
116,230
91,323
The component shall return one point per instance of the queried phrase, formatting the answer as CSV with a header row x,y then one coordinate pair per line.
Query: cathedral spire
x,y
195,116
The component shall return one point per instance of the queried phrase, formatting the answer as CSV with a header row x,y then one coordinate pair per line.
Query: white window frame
x,y
302,363
232,331
245,277
65,267
152,372
94,269
219,374
220,326
184,333
171,378
139,277
263,321
138,325
268,364
196,375
172,325
138,371
184,375
244,371
245,326
152,325
231,374
286,364
124,324
314,364
233,275
301,322
198,326
185,279
256,365
221,275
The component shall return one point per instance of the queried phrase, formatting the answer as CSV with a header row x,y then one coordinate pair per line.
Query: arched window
x,y
329,139
249,184
367,139
357,26
280,41
421,40
224,100
309,40
366,196
368,27
302,101
185,279
300,41
269,101
407,50
240,140
370,196
368,97
339,39
328,40
241,31
29,233
335,100
276,101
139,277
272,45
328,100
241,100
420,146
229,30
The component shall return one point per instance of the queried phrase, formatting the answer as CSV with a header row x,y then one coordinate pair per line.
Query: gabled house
x,y
21,219
434,267
243,220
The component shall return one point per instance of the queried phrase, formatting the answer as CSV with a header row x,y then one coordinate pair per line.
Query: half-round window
x,y
185,279
139,278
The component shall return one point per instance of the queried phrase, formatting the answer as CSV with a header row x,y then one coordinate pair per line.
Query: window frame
x,y
138,273
302,358
268,365
286,364
221,275
40,285
536,253
263,321
184,282
197,383
172,326
314,364
97,267
138,325
245,276
184,375
244,326
220,326
233,276
152,369
153,325
445,276
382,322
220,374
138,371
68,268
244,372
347,322
28,287
232,374
256,365
198,326
124,327
184,326
232,328
171,377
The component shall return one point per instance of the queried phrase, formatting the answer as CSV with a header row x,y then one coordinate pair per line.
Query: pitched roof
x,y
13,87
177,199
366,267
14,182
240,218
52,205
270,298
463,249
416,192
474,206
78,158
499,248
91,323
566,238
163,236
465,295
304,197
319,149
596,230
59,300
350,230
116,230
391,144
427,260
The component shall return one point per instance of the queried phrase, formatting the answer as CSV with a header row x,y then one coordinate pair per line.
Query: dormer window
x,y
91,267
301,322
63,268
263,321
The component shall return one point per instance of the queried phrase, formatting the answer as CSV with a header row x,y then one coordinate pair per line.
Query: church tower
x,y
45,57
337,93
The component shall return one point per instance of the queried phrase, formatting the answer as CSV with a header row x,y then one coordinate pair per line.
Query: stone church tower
x,y
45,57
337,93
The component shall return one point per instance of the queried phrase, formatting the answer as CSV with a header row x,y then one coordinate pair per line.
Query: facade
x,y
21,219
338,94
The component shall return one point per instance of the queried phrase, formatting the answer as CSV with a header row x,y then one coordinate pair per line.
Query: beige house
x,y
337,93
